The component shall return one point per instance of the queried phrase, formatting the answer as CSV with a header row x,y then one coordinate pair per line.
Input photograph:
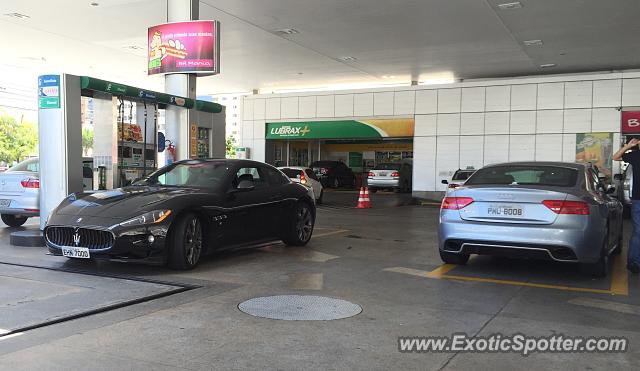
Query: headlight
x,y
151,217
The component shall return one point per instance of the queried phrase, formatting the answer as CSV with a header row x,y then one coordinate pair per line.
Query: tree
x,y
231,147
87,140
17,140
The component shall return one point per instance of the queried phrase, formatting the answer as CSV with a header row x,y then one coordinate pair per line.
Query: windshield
x,y
292,173
199,174
27,165
525,175
387,167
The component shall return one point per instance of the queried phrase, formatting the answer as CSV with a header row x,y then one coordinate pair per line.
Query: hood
x,y
119,203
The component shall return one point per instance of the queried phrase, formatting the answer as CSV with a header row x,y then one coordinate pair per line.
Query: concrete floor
x,y
378,258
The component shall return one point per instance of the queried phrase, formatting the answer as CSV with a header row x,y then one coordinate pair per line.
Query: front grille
x,y
93,239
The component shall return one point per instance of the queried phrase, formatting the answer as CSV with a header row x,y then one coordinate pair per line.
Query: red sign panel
x,y
184,47
630,122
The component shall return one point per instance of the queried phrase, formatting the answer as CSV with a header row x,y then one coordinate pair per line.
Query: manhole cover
x,y
299,308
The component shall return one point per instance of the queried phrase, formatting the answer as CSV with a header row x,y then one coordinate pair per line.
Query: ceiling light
x,y
388,77
536,42
436,81
547,65
17,15
133,47
287,31
348,59
510,6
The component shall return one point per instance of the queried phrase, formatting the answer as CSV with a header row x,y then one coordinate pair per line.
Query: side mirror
x,y
444,181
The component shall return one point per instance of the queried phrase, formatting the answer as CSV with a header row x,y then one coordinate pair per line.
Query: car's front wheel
x,y
300,228
12,220
186,242
454,258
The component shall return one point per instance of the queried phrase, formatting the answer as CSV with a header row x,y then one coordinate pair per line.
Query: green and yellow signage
x,y
341,129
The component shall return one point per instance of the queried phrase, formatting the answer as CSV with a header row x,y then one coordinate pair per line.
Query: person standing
x,y
630,153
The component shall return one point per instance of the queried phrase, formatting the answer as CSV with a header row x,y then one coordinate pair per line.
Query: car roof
x,y
571,165
229,161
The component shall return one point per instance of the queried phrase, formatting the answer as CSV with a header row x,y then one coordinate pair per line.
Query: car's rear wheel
x,y
454,258
186,242
599,268
373,190
12,220
300,228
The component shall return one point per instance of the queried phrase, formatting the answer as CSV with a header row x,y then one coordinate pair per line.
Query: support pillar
x,y
177,119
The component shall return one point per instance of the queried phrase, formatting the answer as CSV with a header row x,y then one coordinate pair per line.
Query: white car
x,y
19,193
458,179
306,176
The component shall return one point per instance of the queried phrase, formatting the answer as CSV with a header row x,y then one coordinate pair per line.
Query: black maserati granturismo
x,y
183,211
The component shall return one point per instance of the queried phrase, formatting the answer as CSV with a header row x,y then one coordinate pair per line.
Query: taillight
x,y
30,183
303,179
371,174
454,185
395,174
455,203
567,207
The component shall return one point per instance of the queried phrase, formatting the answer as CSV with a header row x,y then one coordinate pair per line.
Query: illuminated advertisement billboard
x,y
184,47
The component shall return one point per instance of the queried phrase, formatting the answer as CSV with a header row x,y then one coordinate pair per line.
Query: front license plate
x,y
505,210
5,203
76,252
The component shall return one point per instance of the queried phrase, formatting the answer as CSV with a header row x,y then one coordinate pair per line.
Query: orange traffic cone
x,y
363,199
367,201
361,204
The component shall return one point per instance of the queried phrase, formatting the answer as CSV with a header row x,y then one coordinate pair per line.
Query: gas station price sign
x,y
184,47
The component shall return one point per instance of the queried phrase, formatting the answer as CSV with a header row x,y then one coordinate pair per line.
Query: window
x,y
252,174
199,174
461,175
27,165
525,175
276,178
311,174
387,166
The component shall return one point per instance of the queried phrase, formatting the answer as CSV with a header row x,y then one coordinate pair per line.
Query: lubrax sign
x,y
290,131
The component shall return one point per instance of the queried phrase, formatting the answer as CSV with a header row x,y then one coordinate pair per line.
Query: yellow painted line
x,y
619,275
441,271
619,284
329,233
527,284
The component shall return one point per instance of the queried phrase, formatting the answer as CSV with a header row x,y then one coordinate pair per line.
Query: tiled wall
x,y
468,124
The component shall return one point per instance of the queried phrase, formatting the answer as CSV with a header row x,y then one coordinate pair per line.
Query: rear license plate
x,y
505,210
382,174
5,203
76,252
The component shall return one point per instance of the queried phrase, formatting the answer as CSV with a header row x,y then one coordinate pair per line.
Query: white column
x,y
177,118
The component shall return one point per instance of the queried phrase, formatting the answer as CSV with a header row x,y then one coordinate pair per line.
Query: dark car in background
x,y
183,211
333,173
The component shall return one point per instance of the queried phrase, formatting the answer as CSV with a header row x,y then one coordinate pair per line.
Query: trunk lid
x,y
10,181
513,205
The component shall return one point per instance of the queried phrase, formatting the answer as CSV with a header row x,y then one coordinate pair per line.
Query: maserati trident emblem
x,y
79,220
76,238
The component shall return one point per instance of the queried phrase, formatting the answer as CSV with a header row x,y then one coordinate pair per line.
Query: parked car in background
x,y
546,210
396,176
458,178
624,182
333,173
20,192
307,177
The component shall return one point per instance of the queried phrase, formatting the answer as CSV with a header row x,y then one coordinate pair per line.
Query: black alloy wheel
x,y
301,227
186,243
